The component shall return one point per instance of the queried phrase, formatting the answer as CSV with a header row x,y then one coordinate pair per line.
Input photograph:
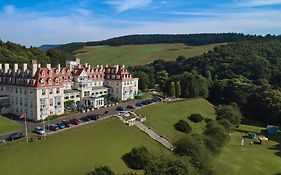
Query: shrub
x,y
183,126
196,118
102,170
208,120
168,165
137,158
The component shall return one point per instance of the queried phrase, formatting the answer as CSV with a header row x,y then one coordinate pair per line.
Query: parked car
x,y
61,125
15,136
52,127
75,121
131,107
86,119
67,123
124,113
120,108
40,130
144,102
139,104
94,116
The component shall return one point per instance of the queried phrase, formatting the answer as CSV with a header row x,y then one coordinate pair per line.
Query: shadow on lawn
x,y
276,147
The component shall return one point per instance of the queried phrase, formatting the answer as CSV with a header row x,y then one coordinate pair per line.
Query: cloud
x,y
125,5
257,3
8,9
83,11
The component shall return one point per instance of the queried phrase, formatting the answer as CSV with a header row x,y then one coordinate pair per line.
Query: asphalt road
x,y
31,125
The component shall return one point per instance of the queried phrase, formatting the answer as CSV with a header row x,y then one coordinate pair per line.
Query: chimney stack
x,y
6,67
16,67
86,65
77,61
34,67
48,66
58,66
39,66
117,68
24,67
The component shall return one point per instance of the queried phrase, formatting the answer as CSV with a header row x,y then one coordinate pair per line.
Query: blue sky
x,y
36,22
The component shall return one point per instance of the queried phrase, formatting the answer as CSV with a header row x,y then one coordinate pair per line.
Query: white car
x,y
40,130
124,113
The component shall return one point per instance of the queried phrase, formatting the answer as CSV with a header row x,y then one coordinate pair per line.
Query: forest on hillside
x,y
246,73
16,53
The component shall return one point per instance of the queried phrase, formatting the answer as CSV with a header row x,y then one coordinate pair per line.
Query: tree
x,y
102,170
230,113
137,158
161,77
168,165
196,118
183,126
172,89
143,80
178,89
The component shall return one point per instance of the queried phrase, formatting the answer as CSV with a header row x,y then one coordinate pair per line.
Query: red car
x,y
132,107
67,123
75,121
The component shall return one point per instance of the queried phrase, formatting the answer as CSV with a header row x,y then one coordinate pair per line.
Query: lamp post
x,y
25,124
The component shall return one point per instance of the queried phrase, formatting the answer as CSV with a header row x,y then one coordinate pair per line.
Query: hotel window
x,y
50,81
77,95
43,91
87,93
58,90
50,72
51,102
42,73
50,91
42,81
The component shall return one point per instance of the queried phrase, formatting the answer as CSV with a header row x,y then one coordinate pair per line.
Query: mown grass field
x,y
7,125
76,151
249,159
162,116
138,54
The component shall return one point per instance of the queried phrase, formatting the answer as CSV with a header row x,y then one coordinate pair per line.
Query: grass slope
x,y
7,125
76,151
163,116
138,54
249,159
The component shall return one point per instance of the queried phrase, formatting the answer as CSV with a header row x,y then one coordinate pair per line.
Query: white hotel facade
x,y
41,91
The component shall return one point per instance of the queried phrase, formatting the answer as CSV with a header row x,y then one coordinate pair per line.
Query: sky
x,y
37,22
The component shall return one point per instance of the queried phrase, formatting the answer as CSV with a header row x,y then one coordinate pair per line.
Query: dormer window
x,y
57,71
57,80
62,71
50,72
50,82
42,73
42,81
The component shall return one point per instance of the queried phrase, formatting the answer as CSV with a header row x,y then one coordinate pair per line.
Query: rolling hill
x,y
138,54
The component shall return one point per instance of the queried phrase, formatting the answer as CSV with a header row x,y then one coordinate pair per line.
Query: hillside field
x,y
138,54
76,151
162,116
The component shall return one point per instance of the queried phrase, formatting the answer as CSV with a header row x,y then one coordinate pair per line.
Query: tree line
x,y
188,39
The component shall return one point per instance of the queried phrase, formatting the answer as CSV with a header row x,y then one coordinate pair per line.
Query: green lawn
x,y
7,125
249,159
138,54
163,116
76,151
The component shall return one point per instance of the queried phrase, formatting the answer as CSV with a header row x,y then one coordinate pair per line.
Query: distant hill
x,y
46,47
188,39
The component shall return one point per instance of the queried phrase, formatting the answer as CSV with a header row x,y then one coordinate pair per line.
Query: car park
x,y
67,123
131,107
15,136
52,127
94,116
120,108
40,130
75,121
86,119
61,125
